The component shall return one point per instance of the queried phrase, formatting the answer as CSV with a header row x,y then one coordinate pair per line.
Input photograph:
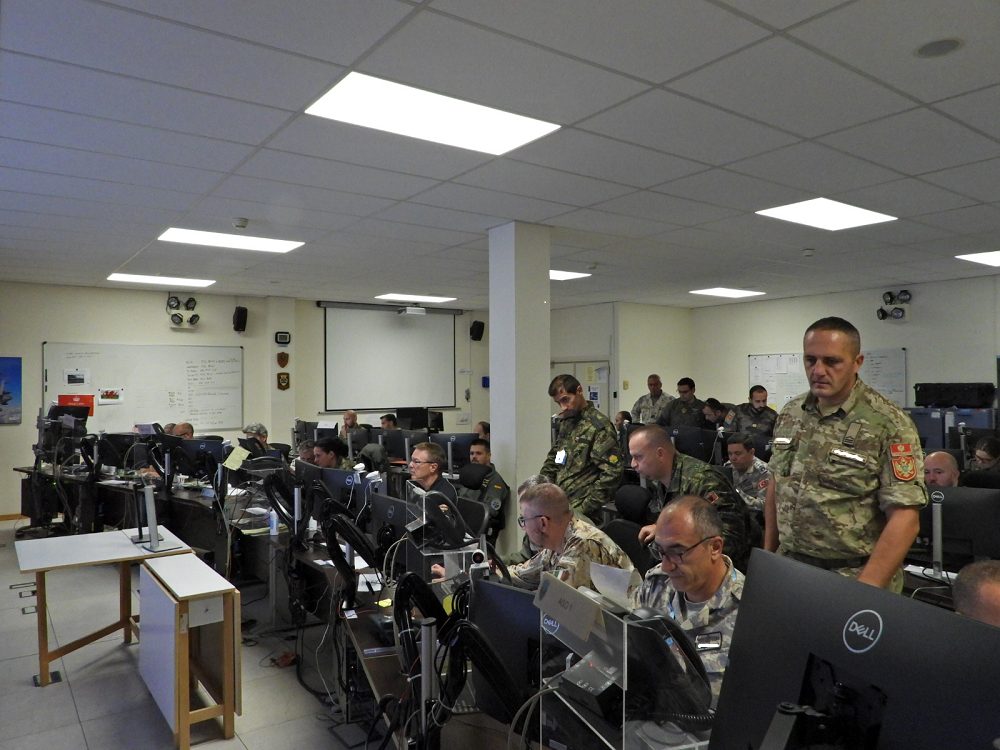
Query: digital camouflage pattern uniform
x,y
583,544
591,468
690,476
702,623
647,411
836,470
744,418
752,483
679,414
495,495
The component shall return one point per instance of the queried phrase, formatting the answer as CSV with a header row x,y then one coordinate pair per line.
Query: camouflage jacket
x,y
680,414
744,418
752,483
836,471
494,494
707,625
586,461
690,476
647,411
584,543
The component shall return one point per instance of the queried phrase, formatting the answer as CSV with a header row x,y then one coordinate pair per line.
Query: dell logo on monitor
x,y
550,625
862,630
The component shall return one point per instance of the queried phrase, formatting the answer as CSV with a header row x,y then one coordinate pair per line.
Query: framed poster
x,y
10,390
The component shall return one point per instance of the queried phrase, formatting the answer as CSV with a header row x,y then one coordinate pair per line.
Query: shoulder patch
x,y
613,458
904,465
762,484
711,496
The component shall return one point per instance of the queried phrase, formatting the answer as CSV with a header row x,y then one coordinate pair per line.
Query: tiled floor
x,y
103,704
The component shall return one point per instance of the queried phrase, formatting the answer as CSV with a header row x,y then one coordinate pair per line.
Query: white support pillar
x,y
519,354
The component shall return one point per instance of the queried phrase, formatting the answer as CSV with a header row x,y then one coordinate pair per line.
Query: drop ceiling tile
x,y
771,80
783,13
980,180
978,109
579,238
540,182
971,220
479,66
400,246
602,222
121,41
902,198
69,88
733,190
902,232
223,210
442,218
880,37
765,229
817,169
104,136
677,125
37,183
572,150
647,204
478,200
379,228
299,196
654,41
915,142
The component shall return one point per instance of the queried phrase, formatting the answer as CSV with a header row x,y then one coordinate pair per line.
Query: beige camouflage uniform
x,y
592,466
583,544
836,473
752,483
717,616
646,411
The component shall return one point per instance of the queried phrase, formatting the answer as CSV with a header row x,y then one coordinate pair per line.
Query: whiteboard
x,y
785,378
143,383
377,360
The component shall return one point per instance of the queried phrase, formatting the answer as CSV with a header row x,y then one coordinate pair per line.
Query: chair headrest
x,y
472,476
632,502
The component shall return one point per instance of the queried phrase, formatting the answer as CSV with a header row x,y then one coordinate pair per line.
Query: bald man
x,y
941,470
976,592
350,422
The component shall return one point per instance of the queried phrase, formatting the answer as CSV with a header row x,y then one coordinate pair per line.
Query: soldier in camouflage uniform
x,y
847,466
750,475
695,583
675,475
754,417
567,544
685,411
647,409
586,460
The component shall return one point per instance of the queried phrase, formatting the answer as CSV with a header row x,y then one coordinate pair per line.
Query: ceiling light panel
x,y
172,281
231,241
414,298
987,259
721,291
823,213
383,105
566,275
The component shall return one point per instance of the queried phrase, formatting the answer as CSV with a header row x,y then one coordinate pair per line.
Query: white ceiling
x,y
679,120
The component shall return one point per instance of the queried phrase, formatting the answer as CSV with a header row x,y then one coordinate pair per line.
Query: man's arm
x,y
549,468
893,543
770,518
607,458
637,409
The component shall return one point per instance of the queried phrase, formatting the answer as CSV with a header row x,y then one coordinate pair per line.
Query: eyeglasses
x,y
521,519
982,458
418,462
675,556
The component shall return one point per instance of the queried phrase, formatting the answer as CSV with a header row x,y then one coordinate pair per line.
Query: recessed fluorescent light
x,y
826,214
233,241
164,280
987,259
395,108
721,291
414,298
566,275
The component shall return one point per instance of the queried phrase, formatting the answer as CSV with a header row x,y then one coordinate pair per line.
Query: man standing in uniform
x,y
585,461
647,409
675,475
848,475
685,411
493,493
754,417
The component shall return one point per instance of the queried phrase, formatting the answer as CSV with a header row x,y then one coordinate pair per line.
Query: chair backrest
x,y
475,514
626,535
989,480
959,456
283,448
632,502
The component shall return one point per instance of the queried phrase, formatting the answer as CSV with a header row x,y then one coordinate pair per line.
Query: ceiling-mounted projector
x,y
412,310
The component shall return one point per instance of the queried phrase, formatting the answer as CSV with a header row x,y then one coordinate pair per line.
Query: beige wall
x,y
652,339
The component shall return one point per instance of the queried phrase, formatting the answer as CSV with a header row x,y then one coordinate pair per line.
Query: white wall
x,y
949,332
651,339
582,333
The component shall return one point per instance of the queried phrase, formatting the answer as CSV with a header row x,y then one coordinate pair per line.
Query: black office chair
x,y
475,514
989,480
959,456
691,441
762,446
632,502
283,448
626,535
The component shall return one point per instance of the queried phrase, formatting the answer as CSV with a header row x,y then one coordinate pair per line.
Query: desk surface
x,y
35,555
188,577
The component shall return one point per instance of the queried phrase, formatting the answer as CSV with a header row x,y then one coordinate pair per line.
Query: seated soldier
x,y
976,592
494,492
331,453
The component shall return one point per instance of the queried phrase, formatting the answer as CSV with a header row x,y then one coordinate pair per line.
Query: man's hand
x,y
437,572
646,533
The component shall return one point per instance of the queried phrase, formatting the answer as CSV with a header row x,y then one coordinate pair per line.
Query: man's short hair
x,y
434,452
741,438
255,428
655,435
704,516
333,445
757,389
841,325
485,426
389,418
990,445
714,404
533,481
168,428
654,376
965,589
563,382
686,381
483,442
305,445
548,499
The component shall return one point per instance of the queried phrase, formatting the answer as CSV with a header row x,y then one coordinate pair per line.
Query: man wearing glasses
x,y
685,411
566,545
426,461
694,583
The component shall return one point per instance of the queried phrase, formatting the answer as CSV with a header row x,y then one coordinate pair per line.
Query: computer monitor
x,y
389,519
199,458
413,438
970,524
972,436
253,446
325,432
60,430
341,484
117,450
357,438
458,444
393,442
901,673
693,441
419,419
304,430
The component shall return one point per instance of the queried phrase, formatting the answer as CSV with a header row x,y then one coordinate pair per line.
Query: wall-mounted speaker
x,y
240,319
476,330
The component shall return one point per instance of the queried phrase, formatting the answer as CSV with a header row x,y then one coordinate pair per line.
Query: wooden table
x,y
39,556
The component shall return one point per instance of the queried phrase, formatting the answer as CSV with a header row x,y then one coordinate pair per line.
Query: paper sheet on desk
x,y
369,579
614,584
235,459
